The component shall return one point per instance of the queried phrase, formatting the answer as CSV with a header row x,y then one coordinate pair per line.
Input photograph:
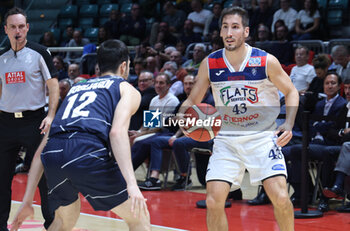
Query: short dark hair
x,y
111,54
235,10
332,72
321,61
13,11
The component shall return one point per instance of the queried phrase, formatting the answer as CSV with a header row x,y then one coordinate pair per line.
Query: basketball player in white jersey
x,y
245,83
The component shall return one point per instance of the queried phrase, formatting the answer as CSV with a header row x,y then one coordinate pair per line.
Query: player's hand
x,y
26,210
284,133
138,202
45,124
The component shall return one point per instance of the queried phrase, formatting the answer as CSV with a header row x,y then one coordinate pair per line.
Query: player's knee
x,y
281,200
213,203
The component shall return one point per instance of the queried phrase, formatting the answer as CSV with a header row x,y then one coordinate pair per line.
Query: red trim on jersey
x,y
218,63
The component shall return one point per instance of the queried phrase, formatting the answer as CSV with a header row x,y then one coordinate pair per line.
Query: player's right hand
x,y
138,202
26,210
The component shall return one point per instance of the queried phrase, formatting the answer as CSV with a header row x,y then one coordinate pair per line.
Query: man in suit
x,y
321,139
342,168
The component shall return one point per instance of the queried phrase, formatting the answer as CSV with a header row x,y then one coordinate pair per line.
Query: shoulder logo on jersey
x,y
15,77
254,71
233,94
254,62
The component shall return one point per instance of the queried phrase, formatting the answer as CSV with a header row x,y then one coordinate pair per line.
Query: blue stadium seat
x,y
338,4
69,11
228,3
82,2
335,17
103,21
101,2
126,8
322,3
106,9
91,34
85,23
88,11
124,1
64,22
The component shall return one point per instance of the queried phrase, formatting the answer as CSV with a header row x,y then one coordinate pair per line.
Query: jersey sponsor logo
x,y
239,77
233,94
219,73
152,118
254,62
278,167
235,119
15,77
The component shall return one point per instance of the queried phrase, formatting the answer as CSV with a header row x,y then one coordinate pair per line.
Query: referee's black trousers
x,y
14,133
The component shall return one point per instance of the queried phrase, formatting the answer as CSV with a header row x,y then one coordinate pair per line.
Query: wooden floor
x,y
176,211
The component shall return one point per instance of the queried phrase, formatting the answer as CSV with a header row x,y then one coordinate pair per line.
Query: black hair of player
x,y
13,11
111,54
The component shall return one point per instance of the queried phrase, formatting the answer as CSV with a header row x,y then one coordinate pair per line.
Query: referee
x,y
25,68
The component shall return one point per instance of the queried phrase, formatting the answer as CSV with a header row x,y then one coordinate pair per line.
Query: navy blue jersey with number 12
x,y
89,107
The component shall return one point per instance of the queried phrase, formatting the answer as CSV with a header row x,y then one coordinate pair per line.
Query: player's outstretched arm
x,y
54,95
127,106
35,173
282,81
200,87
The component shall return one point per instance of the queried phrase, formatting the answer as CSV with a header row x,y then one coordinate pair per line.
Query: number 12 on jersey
x,y
77,110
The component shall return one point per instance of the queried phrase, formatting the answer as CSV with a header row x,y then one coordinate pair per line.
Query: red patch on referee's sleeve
x,y
15,77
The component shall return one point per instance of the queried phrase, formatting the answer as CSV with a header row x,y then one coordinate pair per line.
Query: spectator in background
x,y
173,17
133,27
103,35
181,47
308,22
165,36
48,39
60,66
188,36
285,13
198,16
73,72
151,65
64,86
113,24
282,44
263,34
176,57
303,73
263,14
212,22
216,44
67,36
170,68
145,85
76,41
192,65
341,57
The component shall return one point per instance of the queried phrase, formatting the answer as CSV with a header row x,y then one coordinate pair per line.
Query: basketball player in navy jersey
x,y
245,83
92,122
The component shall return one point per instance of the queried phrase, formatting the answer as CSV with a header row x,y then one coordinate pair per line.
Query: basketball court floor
x,y
176,211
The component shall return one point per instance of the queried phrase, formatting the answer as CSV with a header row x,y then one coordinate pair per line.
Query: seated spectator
x,y
308,22
64,86
48,40
176,57
263,14
321,138
285,13
67,36
145,85
73,72
342,168
113,24
165,36
217,43
321,63
282,44
97,72
133,27
164,102
60,66
173,17
151,65
198,16
263,34
188,36
199,53
341,57
170,68
181,47
303,73
103,35
212,22
76,41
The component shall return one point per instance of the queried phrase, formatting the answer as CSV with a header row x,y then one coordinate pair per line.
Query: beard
x,y
239,43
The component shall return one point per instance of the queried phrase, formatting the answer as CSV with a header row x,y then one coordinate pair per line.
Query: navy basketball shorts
x,y
81,163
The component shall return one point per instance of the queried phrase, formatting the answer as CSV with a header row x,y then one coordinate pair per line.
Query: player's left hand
x,y
45,124
284,133
138,202
26,210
